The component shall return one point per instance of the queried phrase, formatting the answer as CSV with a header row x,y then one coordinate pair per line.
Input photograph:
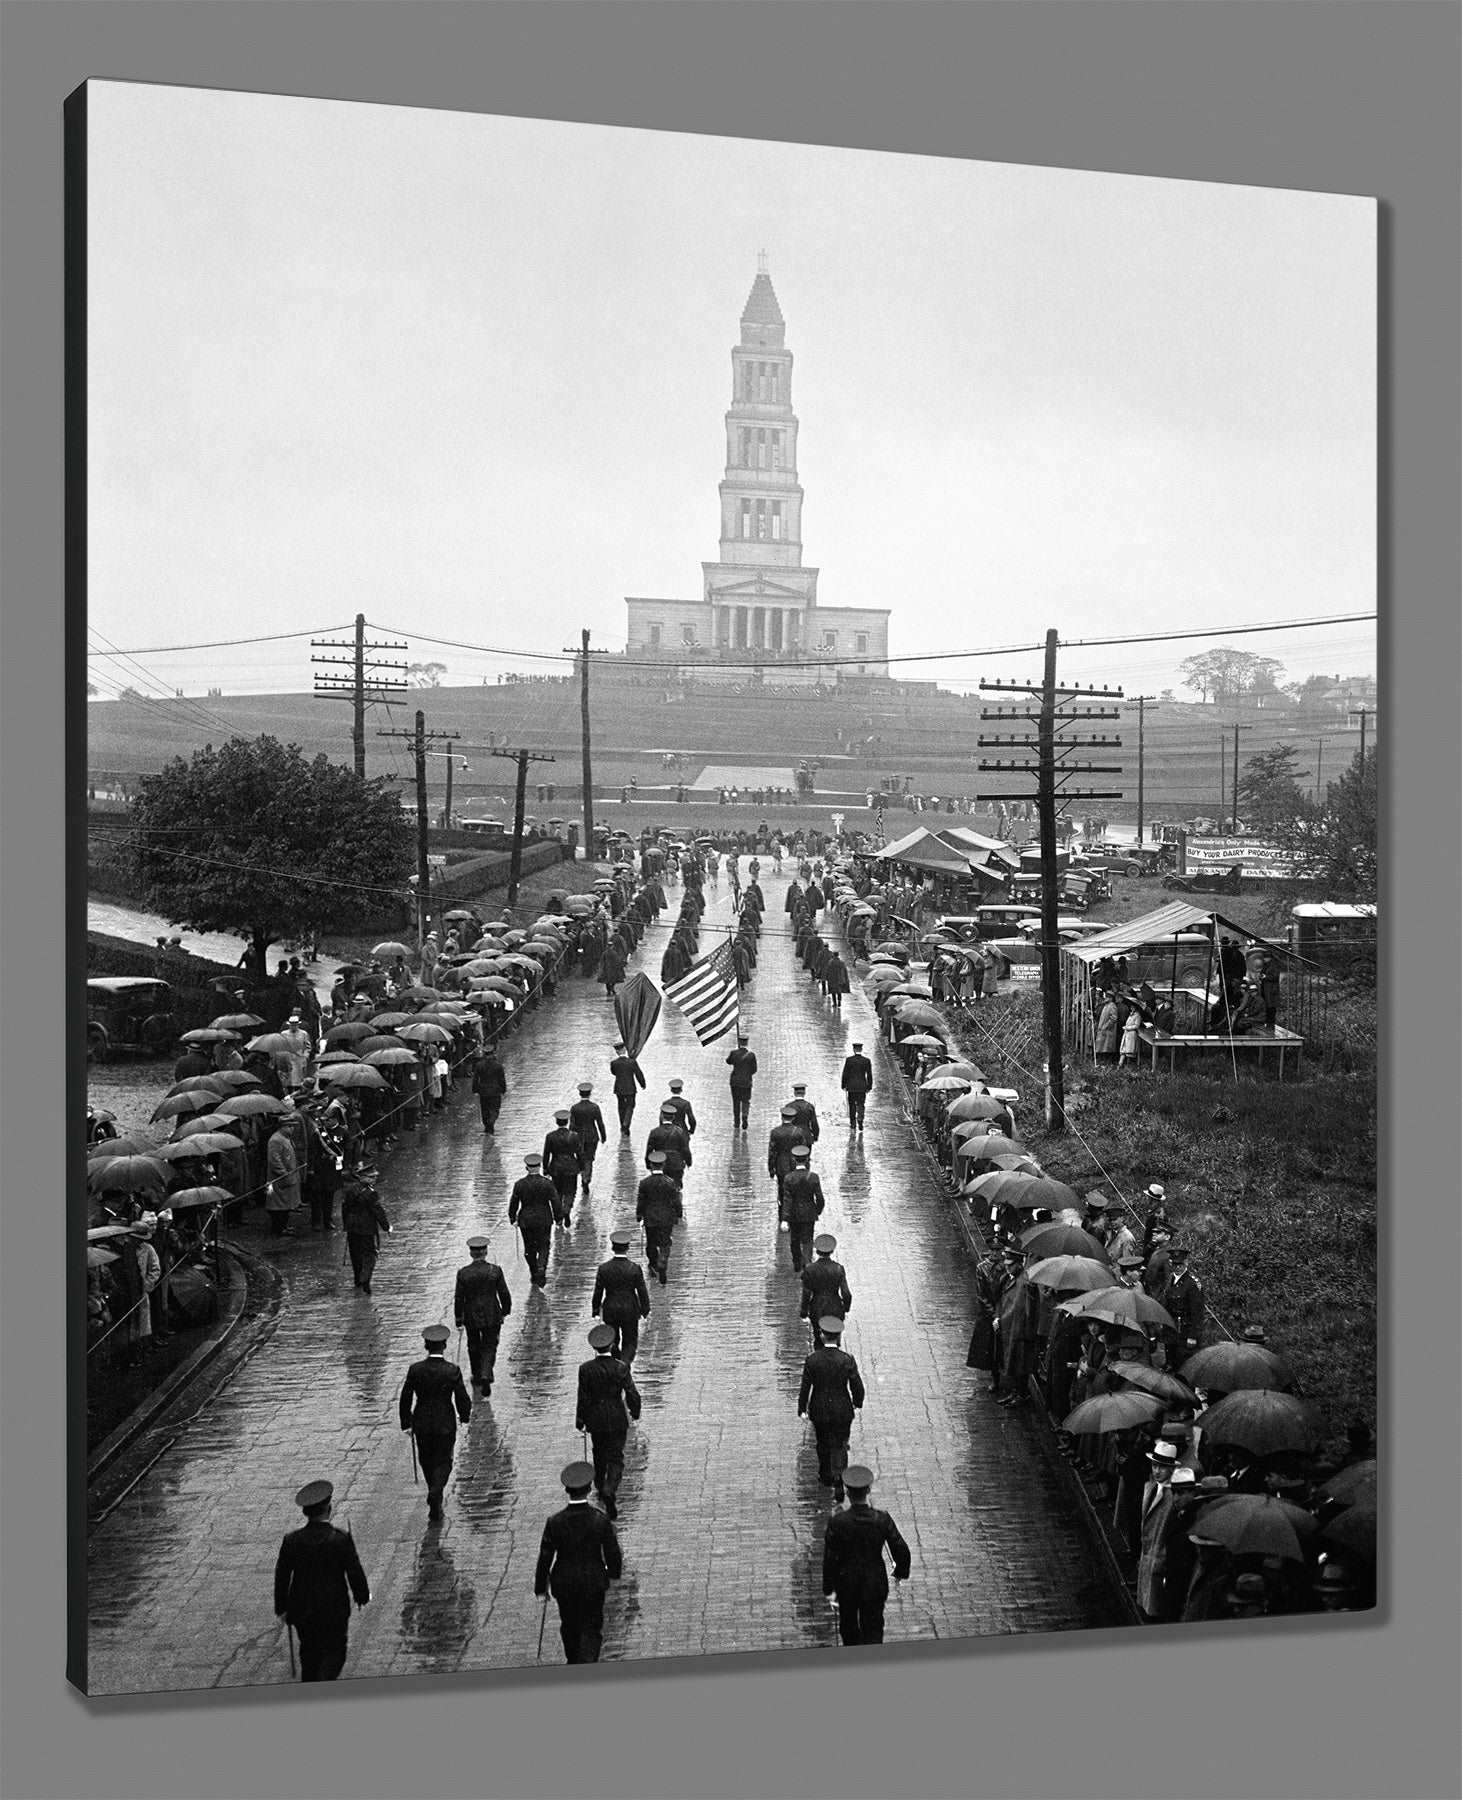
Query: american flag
x,y
706,994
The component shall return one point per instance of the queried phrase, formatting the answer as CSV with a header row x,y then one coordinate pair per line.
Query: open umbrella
x,y
380,1040
235,1081
201,1084
1354,1529
97,1257
924,1040
239,1022
347,1033
1000,1186
389,1058
270,1042
892,947
187,1198
353,1075
1353,1484
250,1106
1119,1306
98,1234
336,1056
214,1121
391,948
1113,1412
920,1015
939,1084
967,1069
201,1144
963,1129
388,1021
183,1106
1069,1274
417,992
977,1106
883,976
1258,1525
1261,1421
1228,1367
910,990
127,1175
129,1145
458,915
1155,1381
425,1032
1061,1240
206,1034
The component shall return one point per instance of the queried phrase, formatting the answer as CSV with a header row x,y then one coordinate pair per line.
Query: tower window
x,y
761,448
654,637
777,520
829,640
748,381
687,635
762,530
745,447
776,382
746,518
860,644
776,449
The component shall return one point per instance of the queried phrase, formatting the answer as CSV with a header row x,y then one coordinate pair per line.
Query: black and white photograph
x,y
732,896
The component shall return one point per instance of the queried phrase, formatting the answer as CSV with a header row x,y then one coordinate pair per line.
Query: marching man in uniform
x,y
433,1398
853,1569
315,1578
577,1560
621,1298
481,1303
857,1085
802,1205
831,1394
588,1123
608,1399
825,1289
533,1208
658,1205
627,1075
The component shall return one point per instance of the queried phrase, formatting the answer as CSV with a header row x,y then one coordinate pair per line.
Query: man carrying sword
x,y
315,1578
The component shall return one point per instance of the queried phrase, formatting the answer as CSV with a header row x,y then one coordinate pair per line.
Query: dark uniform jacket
x,y
620,1293
676,1145
626,1072
852,1552
658,1201
685,1113
587,1122
825,1289
807,1120
802,1197
434,1397
534,1201
482,1299
832,1388
1185,1302
579,1555
317,1572
743,1067
561,1150
608,1398
779,1148
489,1076
361,1212
858,1075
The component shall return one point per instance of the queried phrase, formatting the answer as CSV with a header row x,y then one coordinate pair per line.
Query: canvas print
x,y
730,818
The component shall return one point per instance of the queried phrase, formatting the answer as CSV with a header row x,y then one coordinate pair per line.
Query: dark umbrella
x,y
1069,1274
238,1022
1155,1381
183,1106
121,1146
202,1084
1119,1306
1008,1187
391,948
187,1198
207,1035
235,1081
1228,1367
250,1106
1258,1525
380,1040
201,1144
214,1121
417,992
1354,1530
389,1058
336,1056
347,1033
1260,1421
127,1175
388,1021
425,1032
270,1042
353,1075
1061,1240
975,1106
1113,1412
1354,1483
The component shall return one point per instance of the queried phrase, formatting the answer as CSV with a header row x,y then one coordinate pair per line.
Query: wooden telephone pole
x,y
515,867
357,688
583,653
1053,769
420,738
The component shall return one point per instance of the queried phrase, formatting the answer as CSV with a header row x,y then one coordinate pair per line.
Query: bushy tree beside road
x,y
255,839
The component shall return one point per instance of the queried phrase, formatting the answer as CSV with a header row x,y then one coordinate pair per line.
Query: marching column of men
x,y
319,1571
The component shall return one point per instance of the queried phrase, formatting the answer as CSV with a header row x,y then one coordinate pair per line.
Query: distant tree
x,y
1337,843
1314,690
426,674
1225,673
1166,694
129,693
1269,790
256,840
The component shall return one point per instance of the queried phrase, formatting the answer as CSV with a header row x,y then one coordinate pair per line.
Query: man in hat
x,y
607,1400
316,1575
587,1123
1248,1597
490,1084
853,1570
479,1305
1186,1304
577,1559
627,1075
742,1063
1157,1273
825,1290
563,1162
363,1219
533,1207
668,1137
802,1205
433,1398
806,1112
682,1108
1118,1237
1155,1201
784,1138
621,1298
830,1395
658,1206
993,1274
857,1085
295,1053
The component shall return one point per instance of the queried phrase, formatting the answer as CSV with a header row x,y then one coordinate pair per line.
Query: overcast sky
x,y
467,375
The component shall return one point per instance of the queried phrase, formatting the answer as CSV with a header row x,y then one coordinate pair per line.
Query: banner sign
x,y
1258,860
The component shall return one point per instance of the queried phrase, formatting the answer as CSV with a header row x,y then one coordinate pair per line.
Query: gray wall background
x,y
1356,98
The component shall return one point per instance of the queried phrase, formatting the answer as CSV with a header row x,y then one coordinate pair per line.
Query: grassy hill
x,y
919,731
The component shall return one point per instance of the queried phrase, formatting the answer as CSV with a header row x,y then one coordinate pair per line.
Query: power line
x,y
276,637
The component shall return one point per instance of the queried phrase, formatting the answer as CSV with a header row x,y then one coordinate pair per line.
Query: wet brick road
x,y
721,1514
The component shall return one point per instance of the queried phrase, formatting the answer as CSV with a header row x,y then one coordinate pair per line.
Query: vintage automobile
x,y
1211,881
128,1014
1335,936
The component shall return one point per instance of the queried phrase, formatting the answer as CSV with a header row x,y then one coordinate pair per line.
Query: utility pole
x,y
1237,730
377,691
420,738
1053,769
583,653
1362,713
515,867
1140,701
451,759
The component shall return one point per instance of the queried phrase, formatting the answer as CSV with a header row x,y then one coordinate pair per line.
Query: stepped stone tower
x,y
757,597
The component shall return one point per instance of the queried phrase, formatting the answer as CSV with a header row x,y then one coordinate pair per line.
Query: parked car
x,y
128,1014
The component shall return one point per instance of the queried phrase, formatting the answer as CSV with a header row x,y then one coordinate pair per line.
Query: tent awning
x,y
922,850
1166,922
